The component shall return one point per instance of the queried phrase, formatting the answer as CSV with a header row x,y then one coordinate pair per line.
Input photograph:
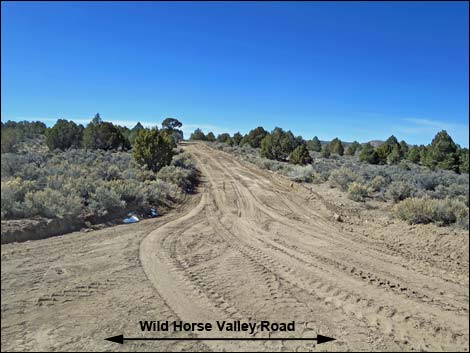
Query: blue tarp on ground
x,y
131,219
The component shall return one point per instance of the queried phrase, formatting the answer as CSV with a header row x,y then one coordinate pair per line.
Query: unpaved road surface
x,y
250,246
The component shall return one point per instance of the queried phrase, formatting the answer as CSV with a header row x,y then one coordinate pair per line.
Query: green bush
x,y
427,210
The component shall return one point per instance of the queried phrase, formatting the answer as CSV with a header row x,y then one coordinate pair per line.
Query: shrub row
x,y
79,183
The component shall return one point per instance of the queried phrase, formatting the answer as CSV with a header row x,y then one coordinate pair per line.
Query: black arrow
x,y
120,339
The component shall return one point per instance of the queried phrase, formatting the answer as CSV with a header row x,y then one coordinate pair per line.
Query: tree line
x,y
151,147
154,147
281,145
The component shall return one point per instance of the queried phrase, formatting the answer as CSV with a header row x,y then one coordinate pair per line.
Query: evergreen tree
x,y
336,146
353,148
255,136
368,154
413,154
267,147
404,147
170,127
386,148
395,156
314,144
210,137
134,132
300,155
198,135
463,160
103,135
153,148
237,138
325,151
63,135
224,138
442,153
278,144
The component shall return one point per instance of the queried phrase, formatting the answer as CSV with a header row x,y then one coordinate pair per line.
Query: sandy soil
x,y
249,246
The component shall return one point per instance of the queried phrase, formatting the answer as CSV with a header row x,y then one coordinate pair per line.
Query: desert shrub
x,y
112,173
184,178
11,201
377,183
159,192
128,190
301,173
183,160
427,181
427,210
399,190
269,164
342,177
13,193
105,200
357,192
459,192
52,204
140,175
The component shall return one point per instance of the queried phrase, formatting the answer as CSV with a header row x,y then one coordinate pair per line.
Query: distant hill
x,y
376,143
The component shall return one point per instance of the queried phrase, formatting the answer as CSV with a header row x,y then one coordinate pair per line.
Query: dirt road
x,y
250,246
256,247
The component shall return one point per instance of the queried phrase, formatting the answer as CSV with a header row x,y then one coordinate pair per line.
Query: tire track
x,y
255,248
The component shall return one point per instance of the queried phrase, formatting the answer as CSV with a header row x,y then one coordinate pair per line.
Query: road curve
x,y
257,248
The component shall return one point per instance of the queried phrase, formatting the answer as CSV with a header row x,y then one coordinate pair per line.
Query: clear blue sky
x,y
354,70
